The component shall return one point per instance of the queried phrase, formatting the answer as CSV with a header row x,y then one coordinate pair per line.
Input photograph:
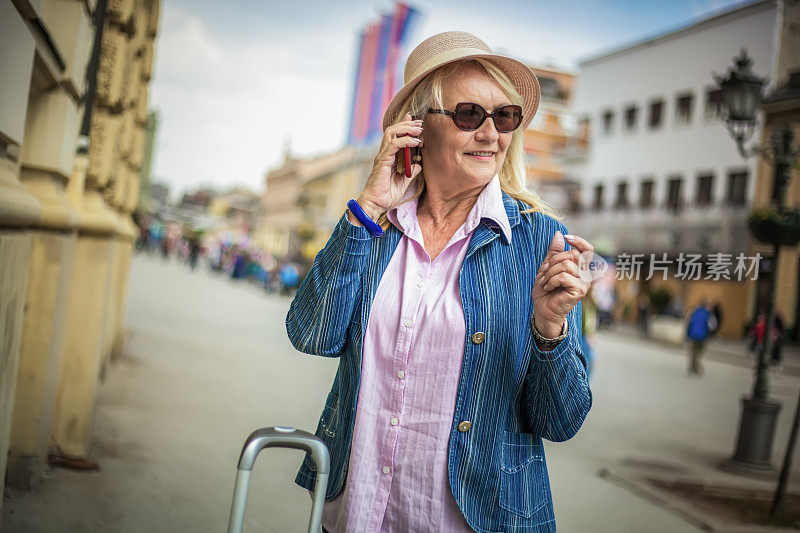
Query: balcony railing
x,y
689,228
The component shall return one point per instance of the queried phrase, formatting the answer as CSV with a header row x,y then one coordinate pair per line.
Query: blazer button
x,y
478,337
464,426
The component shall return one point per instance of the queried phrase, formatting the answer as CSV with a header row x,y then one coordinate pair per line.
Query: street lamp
x,y
778,226
741,95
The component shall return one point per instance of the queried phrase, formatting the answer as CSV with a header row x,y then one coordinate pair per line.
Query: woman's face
x,y
472,158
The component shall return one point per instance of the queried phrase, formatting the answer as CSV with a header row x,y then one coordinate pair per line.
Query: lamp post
x,y
741,96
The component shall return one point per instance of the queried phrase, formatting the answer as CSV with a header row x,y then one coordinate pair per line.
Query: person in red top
x,y
756,336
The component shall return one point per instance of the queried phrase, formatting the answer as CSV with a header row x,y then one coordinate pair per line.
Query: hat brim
x,y
519,73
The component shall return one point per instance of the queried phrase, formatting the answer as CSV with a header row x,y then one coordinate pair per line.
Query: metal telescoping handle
x,y
280,437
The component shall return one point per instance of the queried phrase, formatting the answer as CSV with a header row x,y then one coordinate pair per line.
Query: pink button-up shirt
x,y
397,479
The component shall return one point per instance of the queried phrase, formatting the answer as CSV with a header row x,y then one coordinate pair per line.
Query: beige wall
x,y
14,261
59,232
329,196
732,295
325,183
778,117
110,178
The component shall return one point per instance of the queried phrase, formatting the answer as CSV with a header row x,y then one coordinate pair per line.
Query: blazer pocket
x,y
330,415
326,428
523,482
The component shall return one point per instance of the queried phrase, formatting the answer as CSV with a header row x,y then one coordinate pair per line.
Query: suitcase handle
x,y
280,437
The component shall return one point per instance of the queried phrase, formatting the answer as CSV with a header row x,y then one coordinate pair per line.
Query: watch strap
x,y
549,342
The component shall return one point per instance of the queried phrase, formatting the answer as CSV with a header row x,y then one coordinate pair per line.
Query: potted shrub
x,y
660,297
773,226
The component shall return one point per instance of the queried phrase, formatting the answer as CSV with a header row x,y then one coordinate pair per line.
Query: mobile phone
x,y
410,156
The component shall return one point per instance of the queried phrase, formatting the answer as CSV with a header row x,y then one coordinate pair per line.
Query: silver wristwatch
x,y
544,341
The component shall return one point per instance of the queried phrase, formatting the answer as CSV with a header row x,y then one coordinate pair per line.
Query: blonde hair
x,y
512,175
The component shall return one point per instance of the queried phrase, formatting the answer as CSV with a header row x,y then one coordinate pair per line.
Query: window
x,y
583,129
622,196
631,114
608,121
683,109
656,110
674,202
737,186
574,200
598,197
713,104
549,87
646,194
704,189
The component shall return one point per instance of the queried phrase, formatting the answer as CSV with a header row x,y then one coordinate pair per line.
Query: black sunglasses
x,y
469,116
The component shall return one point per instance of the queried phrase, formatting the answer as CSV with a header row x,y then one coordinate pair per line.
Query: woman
x,y
436,416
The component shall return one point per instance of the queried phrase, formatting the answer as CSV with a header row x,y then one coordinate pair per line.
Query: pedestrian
x,y
156,233
452,301
697,331
165,247
194,250
755,333
215,256
644,313
289,278
589,326
240,262
716,311
778,332
141,235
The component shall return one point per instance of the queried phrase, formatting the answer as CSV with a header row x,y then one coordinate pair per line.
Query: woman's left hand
x,y
560,284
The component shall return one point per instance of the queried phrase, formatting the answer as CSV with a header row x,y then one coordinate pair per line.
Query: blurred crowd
x,y
238,258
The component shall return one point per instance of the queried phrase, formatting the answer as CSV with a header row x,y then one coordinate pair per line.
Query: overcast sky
x,y
234,80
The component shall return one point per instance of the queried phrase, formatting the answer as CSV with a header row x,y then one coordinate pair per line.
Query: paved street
x,y
209,361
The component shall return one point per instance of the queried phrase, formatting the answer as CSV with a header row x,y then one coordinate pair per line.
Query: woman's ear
x,y
416,153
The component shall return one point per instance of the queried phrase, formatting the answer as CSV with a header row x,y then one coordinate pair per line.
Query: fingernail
x,y
569,236
545,266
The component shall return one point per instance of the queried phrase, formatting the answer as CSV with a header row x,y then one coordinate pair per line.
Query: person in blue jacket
x,y
701,323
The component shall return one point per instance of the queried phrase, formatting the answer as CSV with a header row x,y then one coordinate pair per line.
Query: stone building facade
x,y
75,76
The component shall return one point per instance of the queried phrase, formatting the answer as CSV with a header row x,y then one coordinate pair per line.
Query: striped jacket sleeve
x,y
556,395
320,313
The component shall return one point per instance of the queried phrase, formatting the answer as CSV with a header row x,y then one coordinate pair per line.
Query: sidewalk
x,y
731,351
209,361
645,473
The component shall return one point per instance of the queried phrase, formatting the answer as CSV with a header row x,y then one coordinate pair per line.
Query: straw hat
x,y
450,46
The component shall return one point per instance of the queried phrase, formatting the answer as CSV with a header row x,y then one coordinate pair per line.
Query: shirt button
x,y
394,421
478,337
386,470
407,323
464,426
401,374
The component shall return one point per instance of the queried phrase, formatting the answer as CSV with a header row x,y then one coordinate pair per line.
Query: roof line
x,y
682,28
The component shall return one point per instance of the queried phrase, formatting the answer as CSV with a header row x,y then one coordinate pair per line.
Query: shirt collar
x,y
489,208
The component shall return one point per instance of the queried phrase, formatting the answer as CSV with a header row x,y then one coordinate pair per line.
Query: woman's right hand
x,y
385,186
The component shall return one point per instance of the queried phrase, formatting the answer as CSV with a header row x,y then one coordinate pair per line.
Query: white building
x,y
661,173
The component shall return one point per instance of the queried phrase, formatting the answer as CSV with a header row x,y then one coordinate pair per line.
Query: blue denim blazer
x,y
513,393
